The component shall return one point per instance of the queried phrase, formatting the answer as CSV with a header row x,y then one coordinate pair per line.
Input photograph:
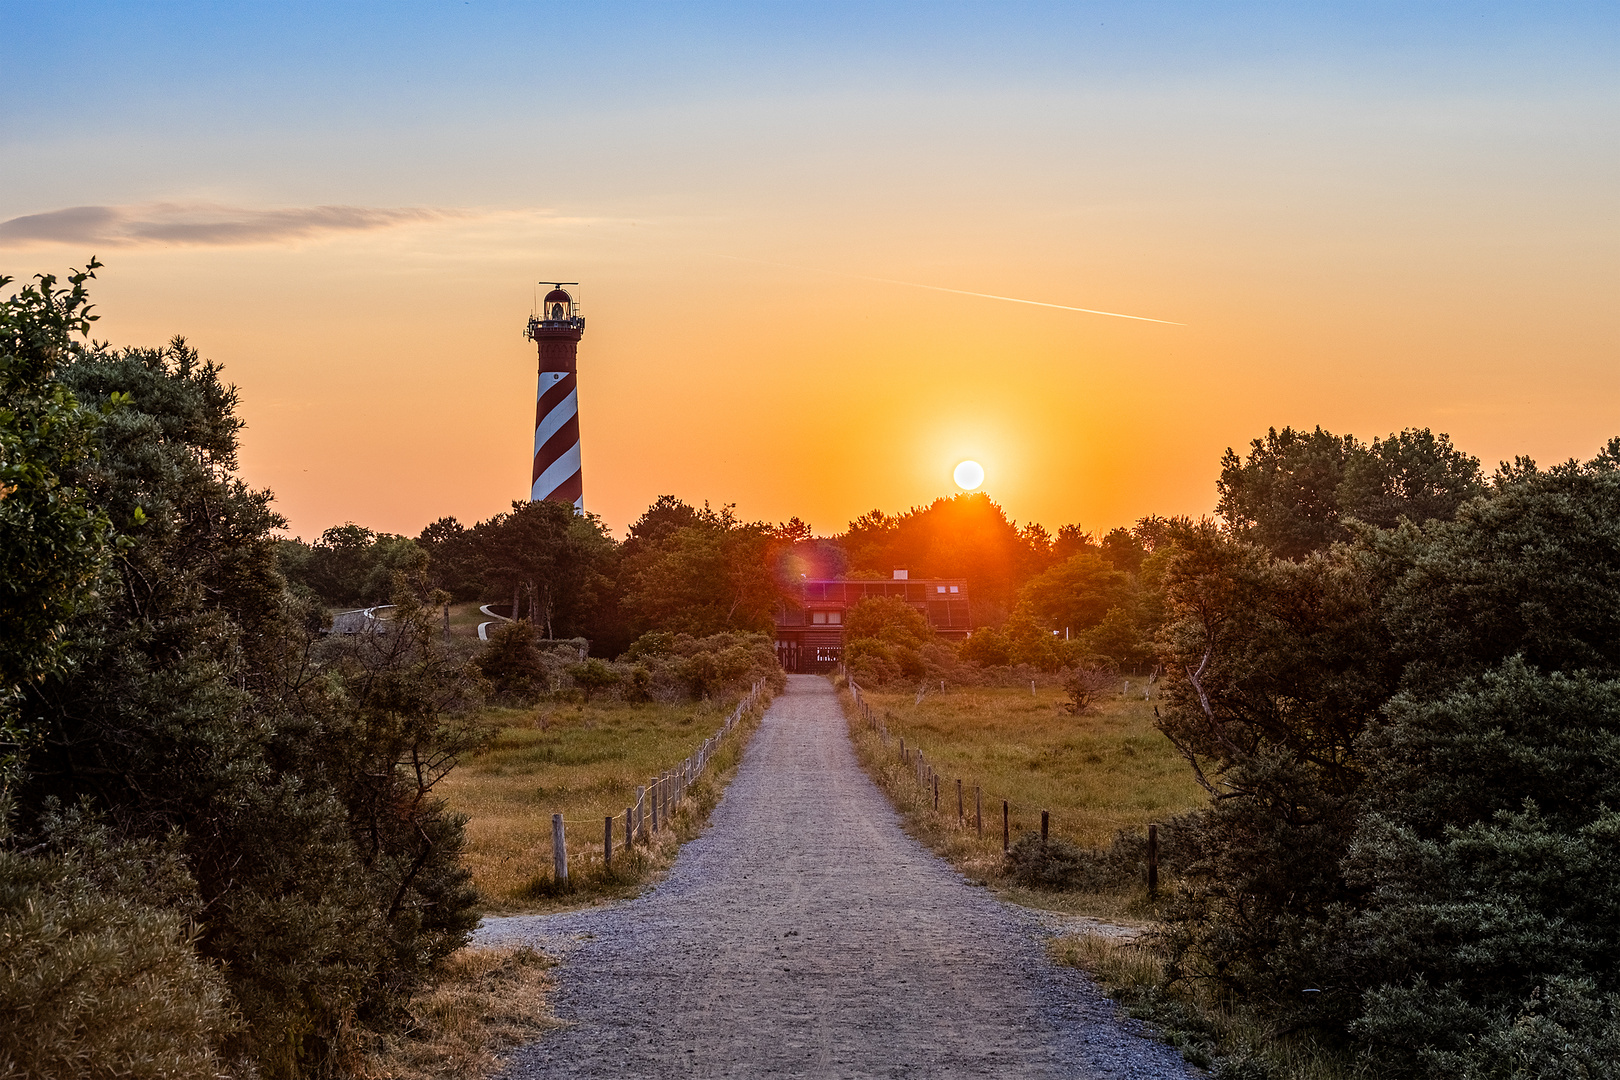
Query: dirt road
x,y
804,934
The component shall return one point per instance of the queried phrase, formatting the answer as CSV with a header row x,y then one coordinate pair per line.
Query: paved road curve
x,y
804,934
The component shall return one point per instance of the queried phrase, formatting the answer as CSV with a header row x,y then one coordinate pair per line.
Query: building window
x,y
824,618
835,616
955,589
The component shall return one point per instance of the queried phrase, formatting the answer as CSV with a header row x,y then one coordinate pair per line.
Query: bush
x,y
100,978
512,663
678,666
1085,684
1054,863
593,676
1061,864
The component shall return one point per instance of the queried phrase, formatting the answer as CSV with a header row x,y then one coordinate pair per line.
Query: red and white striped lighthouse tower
x,y
556,330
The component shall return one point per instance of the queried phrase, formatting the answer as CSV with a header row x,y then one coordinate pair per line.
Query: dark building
x,y
810,638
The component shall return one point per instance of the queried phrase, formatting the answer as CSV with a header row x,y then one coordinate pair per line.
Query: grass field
x,y
1094,774
584,762
464,619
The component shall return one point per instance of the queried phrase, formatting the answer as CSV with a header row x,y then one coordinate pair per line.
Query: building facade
x,y
810,637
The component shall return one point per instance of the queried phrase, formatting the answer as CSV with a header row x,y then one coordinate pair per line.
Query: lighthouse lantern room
x,y
556,329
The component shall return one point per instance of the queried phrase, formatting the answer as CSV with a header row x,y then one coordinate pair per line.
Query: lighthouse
x,y
556,329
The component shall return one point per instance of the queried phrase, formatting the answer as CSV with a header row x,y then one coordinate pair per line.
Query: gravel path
x,y
804,934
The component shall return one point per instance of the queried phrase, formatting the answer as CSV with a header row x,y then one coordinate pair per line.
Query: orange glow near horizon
x,y
798,396
793,394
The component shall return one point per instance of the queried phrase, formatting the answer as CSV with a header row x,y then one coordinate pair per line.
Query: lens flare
x,y
969,475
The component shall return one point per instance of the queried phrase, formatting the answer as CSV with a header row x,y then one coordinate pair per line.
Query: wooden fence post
x,y
1153,862
559,849
652,792
1005,825
629,827
1045,817
607,841
641,813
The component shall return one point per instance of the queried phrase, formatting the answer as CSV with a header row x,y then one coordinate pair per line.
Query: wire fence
x,y
656,801
971,801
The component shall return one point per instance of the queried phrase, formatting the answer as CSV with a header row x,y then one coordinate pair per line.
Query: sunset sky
x,y
1367,217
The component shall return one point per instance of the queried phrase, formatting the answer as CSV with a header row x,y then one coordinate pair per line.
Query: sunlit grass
x,y
1095,773
584,762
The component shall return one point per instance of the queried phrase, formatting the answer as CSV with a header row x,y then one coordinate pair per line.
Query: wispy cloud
x,y
200,224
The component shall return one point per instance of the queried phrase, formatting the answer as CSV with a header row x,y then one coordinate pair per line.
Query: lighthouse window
x,y
556,311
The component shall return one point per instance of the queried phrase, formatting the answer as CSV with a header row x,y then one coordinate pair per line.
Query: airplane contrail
x,y
958,292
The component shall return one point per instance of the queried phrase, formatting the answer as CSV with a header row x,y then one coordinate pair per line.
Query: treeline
x,y
700,571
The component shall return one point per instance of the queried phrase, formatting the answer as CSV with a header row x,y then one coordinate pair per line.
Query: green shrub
x,y
1060,864
512,663
593,676
1053,863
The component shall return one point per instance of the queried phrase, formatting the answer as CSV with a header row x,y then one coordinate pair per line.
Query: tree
x,y
99,977
52,540
547,555
1295,491
886,638
350,564
988,647
1076,594
201,703
700,572
1123,550
1276,667
967,536
1410,742
1122,638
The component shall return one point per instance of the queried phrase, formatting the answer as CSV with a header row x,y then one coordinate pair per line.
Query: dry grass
x,y
487,1001
1203,1026
584,762
1095,774
1115,963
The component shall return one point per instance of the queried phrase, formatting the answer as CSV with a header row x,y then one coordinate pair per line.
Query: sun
x,y
969,475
